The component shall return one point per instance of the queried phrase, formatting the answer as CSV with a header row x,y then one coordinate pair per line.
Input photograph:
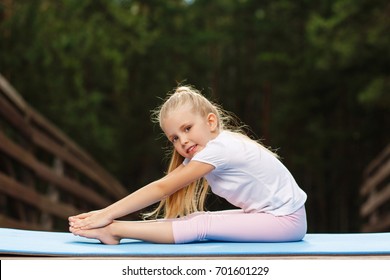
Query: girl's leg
x,y
240,227
159,231
231,225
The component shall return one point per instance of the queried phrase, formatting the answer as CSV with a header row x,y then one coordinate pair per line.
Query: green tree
x,y
309,78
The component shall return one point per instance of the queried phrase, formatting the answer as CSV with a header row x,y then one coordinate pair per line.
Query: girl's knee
x,y
192,228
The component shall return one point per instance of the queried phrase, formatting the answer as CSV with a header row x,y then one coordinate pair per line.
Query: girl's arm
x,y
148,195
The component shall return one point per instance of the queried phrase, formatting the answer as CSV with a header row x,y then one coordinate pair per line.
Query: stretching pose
x,y
206,153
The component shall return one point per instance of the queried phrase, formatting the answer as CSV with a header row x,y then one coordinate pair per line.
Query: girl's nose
x,y
184,140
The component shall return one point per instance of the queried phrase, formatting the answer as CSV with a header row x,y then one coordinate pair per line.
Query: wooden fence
x,y
375,191
44,176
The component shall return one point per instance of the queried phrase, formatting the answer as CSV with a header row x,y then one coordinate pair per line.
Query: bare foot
x,y
103,234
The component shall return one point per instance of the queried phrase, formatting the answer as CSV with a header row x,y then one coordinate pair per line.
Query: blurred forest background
x,y
311,79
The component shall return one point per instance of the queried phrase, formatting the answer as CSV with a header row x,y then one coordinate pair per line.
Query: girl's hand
x,y
90,220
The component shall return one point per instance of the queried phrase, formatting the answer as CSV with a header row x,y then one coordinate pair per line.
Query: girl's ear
x,y
212,121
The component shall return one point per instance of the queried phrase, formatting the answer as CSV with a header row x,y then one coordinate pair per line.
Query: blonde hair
x,y
192,197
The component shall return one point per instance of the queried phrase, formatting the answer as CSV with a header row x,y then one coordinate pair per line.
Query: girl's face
x,y
189,131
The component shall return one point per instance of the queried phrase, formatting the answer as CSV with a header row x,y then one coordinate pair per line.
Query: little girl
x,y
206,153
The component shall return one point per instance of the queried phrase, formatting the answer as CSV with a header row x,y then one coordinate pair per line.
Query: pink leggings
x,y
238,226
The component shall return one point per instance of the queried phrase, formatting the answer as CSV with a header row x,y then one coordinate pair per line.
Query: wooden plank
x,y
47,174
47,144
13,117
69,145
375,200
382,225
57,135
18,191
377,161
375,179
43,141
53,194
12,93
7,222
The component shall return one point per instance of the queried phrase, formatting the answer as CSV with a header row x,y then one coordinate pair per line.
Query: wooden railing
x,y
376,192
44,176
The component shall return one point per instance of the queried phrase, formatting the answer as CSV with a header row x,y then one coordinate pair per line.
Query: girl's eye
x,y
187,128
174,139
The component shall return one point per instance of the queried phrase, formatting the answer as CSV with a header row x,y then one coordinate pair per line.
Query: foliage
x,y
309,78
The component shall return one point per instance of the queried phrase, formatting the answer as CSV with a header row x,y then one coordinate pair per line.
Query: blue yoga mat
x,y
43,243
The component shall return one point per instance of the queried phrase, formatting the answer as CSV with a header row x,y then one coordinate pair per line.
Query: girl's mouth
x,y
191,149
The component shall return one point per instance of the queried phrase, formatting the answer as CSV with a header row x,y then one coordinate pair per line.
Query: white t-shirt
x,y
249,176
